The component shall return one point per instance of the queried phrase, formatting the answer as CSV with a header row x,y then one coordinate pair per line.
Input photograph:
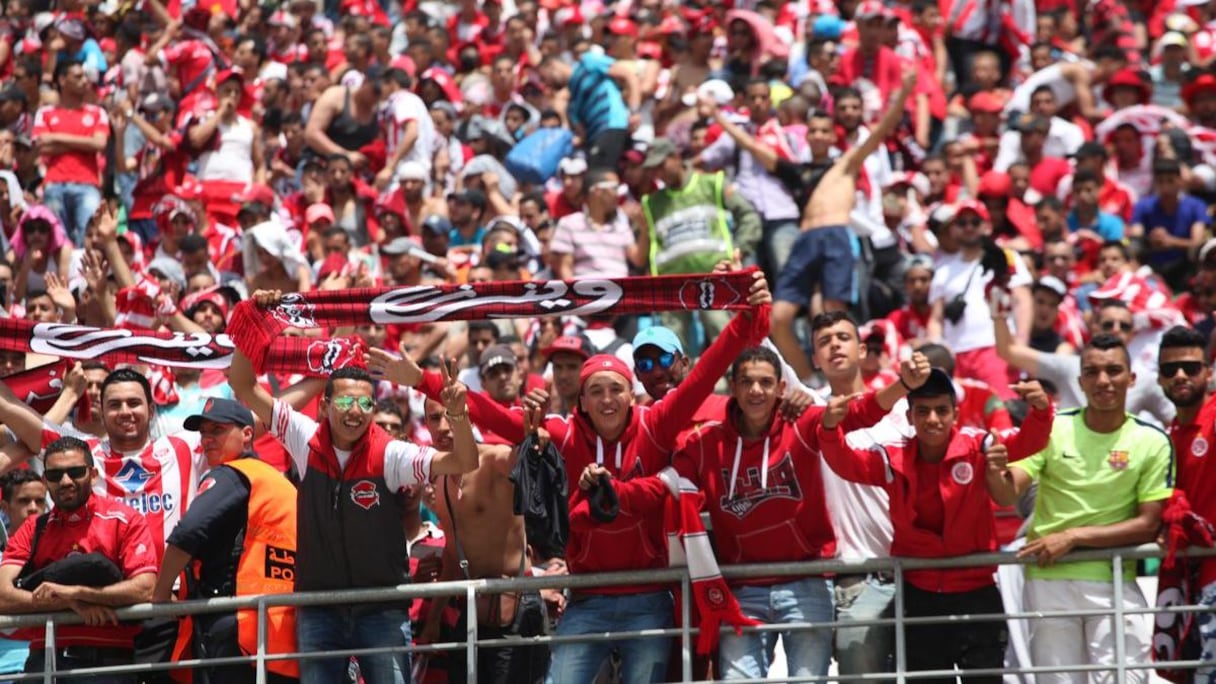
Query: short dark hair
x,y
1182,337
1050,202
192,243
939,357
34,293
348,373
63,66
128,375
759,354
829,318
1110,52
1112,304
1045,88
13,480
64,444
485,325
389,406
1106,342
1119,245
1086,176
845,93
1166,167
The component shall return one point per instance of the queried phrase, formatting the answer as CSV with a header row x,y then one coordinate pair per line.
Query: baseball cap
x,y
399,246
827,27
210,295
974,206
623,26
572,166
717,90
938,384
437,224
317,212
1089,150
411,170
220,411
995,184
605,362
985,101
475,197
1051,284
659,151
660,337
497,355
72,28
573,344
1206,249
1031,123
870,9
169,268
1171,39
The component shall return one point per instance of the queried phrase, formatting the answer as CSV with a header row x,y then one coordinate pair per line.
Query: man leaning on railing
x,y
1103,482
90,554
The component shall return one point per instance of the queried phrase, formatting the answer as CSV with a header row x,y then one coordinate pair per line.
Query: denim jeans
x,y
326,628
776,245
74,204
1205,622
37,663
864,650
642,660
807,652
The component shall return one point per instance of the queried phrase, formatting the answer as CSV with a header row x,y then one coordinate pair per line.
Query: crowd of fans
x,y
965,217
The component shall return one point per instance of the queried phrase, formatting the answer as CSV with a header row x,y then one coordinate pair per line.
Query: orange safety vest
x,y
268,562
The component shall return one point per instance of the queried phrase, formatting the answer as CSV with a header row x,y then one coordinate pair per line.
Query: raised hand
x,y
996,454
57,290
74,381
837,408
914,371
1033,394
94,266
794,404
107,222
265,299
759,292
454,392
591,475
399,370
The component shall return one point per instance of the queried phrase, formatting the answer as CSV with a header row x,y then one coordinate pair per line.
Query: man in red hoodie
x,y
767,505
941,484
611,443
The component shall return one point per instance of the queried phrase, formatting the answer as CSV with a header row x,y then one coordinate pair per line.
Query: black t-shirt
x,y
213,529
801,178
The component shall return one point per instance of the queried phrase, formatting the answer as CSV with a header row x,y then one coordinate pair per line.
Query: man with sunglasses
x,y
1111,318
81,528
245,510
351,507
1184,375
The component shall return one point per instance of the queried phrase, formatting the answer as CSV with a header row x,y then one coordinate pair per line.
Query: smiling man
x,y
1103,482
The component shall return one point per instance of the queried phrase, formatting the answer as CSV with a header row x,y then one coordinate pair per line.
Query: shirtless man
x,y
490,538
822,255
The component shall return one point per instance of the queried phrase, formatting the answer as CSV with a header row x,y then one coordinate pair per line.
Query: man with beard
x,y
566,357
80,523
413,177
486,539
1103,481
1183,375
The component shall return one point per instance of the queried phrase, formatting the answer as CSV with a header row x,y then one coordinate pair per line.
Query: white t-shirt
x,y
974,329
405,464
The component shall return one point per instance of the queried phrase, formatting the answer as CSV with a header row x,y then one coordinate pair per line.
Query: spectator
x,y
596,108
1171,223
596,242
230,149
370,559
112,538
1102,482
22,496
343,121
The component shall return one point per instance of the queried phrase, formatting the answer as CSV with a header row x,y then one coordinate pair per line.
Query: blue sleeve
x,y
596,62
1198,213
1110,227
1140,213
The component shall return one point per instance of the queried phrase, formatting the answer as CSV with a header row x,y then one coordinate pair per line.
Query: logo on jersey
x,y
1118,460
716,597
365,495
782,484
1199,448
133,476
962,473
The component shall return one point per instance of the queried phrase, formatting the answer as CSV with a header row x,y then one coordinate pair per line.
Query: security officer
x,y
240,531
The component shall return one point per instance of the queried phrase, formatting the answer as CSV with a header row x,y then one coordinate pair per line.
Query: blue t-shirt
x,y
455,239
1107,226
595,100
1148,213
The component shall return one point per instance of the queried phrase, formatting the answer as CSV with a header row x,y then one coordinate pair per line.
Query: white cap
x,y
411,170
572,166
717,90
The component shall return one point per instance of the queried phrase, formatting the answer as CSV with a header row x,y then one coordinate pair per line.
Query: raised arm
x,y
1035,432
855,157
866,466
245,387
764,154
463,456
1023,357
19,417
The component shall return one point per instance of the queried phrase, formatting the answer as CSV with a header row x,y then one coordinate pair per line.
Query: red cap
x,y
974,206
604,362
568,343
623,26
1128,78
406,64
212,295
994,184
226,74
1201,85
985,101
870,9
258,192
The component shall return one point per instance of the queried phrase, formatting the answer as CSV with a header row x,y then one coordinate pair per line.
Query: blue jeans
x,y
864,650
642,660
1205,621
74,204
327,628
807,652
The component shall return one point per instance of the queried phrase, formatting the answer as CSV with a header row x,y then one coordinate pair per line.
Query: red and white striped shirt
x,y
159,480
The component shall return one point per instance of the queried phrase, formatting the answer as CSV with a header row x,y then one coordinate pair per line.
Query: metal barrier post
x,y
685,628
260,663
901,648
1120,628
470,621
49,648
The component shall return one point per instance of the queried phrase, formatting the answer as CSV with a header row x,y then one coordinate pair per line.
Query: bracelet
x,y
456,416
901,381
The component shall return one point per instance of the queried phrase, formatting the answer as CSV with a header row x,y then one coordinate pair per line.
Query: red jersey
x,y
765,496
189,61
158,481
1197,471
636,540
1045,176
103,526
1115,198
72,166
964,523
979,407
911,324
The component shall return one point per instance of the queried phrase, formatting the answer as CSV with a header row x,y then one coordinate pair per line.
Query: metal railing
x,y
470,589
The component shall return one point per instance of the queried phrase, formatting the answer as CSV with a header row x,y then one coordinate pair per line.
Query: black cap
x,y
938,384
437,224
1090,150
220,411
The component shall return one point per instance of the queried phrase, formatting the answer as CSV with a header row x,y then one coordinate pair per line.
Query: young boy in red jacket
x,y
940,483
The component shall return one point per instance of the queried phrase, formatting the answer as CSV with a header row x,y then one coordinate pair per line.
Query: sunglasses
x,y
1110,326
390,427
37,227
1191,368
74,472
366,404
645,365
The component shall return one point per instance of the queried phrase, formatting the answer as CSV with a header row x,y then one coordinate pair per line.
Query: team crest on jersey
x,y
962,473
365,495
133,476
782,484
1118,460
1199,448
